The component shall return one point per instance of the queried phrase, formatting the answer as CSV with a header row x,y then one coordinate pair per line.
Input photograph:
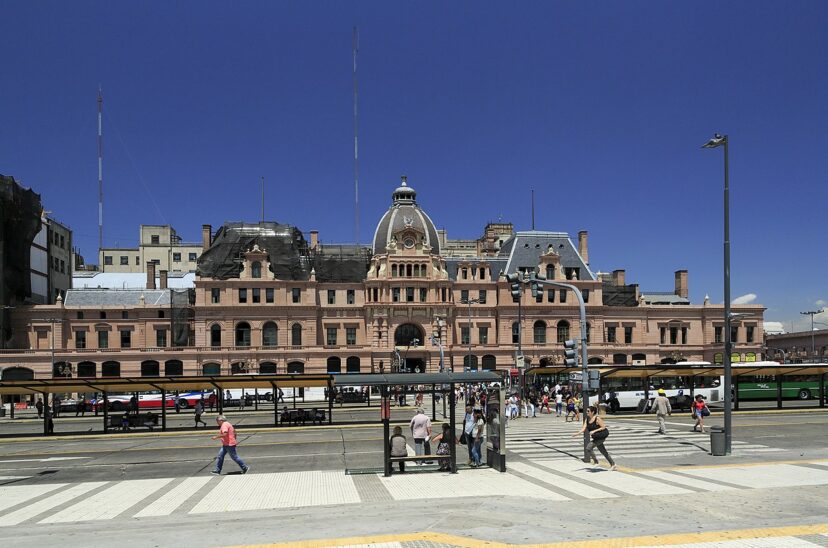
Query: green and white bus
x,y
763,387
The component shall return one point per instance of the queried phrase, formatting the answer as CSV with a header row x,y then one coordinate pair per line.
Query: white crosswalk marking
x,y
174,498
16,494
684,480
58,499
771,475
551,438
563,483
618,481
110,502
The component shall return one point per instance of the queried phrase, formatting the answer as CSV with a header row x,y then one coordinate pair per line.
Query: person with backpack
x,y
598,433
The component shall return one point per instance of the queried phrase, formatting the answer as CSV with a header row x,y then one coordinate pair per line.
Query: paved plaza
x,y
325,485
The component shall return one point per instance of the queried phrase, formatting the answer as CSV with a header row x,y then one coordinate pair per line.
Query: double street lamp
x,y
812,313
716,142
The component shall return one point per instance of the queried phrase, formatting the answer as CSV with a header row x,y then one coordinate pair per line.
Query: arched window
x,y
267,368
407,334
352,364
619,359
550,272
594,361
17,374
243,334
269,333
256,269
470,362
86,370
238,368
334,365
110,369
211,369
173,368
295,367
515,333
489,363
150,368
296,334
640,359
215,335
61,369
563,331
539,332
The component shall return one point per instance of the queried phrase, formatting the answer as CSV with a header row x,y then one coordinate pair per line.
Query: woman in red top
x,y
700,411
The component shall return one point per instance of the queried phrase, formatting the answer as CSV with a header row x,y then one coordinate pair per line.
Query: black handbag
x,y
600,435
463,439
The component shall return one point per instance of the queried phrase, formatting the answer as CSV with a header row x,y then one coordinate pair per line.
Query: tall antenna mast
x,y
262,198
533,209
100,170
355,47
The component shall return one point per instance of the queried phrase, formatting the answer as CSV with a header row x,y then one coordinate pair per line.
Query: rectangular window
x,y
103,339
331,296
662,333
137,261
156,262
350,336
160,338
215,295
376,294
628,334
350,296
585,295
464,295
683,335
155,239
80,314
409,294
269,295
126,338
749,333
102,314
257,295
674,335
331,336
296,294
465,273
717,334
107,259
395,294
124,314
481,296
423,294
515,333
734,334
483,335
464,335
80,339
563,295
191,257
56,264
62,266
550,295
242,295
176,257
611,334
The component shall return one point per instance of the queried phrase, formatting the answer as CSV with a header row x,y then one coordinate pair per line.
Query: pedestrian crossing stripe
x,y
542,479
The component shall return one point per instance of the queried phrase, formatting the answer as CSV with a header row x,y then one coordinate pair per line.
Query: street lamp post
x,y
812,313
715,142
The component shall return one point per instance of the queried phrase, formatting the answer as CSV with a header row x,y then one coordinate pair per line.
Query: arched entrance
x,y
334,365
352,364
409,335
211,369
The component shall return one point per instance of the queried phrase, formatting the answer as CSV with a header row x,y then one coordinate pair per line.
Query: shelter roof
x,y
686,370
393,379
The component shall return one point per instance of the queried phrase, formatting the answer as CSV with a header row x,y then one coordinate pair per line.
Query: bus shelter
x,y
166,386
444,384
740,372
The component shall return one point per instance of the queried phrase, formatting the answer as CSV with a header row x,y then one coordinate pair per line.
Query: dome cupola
x,y
405,225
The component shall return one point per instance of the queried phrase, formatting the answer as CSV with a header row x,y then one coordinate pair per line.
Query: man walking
x,y
662,409
421,432
80,407
468,430
199,410
39,407
227,435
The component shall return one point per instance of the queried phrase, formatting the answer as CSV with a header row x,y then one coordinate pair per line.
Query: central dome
x,y
404,213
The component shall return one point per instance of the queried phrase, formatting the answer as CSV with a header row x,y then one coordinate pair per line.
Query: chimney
x,y
206,236
163,279
582,246
150,275
619,277
314,243
681,284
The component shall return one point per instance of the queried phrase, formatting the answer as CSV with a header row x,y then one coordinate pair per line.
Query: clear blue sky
x,y
599,106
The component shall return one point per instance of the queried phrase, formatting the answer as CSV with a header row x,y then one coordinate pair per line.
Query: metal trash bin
x,y
717,441
3,411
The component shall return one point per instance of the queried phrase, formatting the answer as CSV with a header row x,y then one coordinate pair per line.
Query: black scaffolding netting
x,y
288,252
182,314
19,223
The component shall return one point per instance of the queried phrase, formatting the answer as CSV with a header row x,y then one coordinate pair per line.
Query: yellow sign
x,y
750,357
735,357
718,358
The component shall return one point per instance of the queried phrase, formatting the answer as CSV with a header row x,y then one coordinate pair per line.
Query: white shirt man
x,y
421,432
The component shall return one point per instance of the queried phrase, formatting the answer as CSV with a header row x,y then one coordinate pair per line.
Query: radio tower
x,y
356,138
100,172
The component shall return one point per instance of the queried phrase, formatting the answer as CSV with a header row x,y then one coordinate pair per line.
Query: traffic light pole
x,y
584,368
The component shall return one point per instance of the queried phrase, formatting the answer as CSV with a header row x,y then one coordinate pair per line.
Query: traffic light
x,y
533,277
514,285
570,353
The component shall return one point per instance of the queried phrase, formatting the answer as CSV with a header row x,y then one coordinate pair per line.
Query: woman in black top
x,y
598,430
